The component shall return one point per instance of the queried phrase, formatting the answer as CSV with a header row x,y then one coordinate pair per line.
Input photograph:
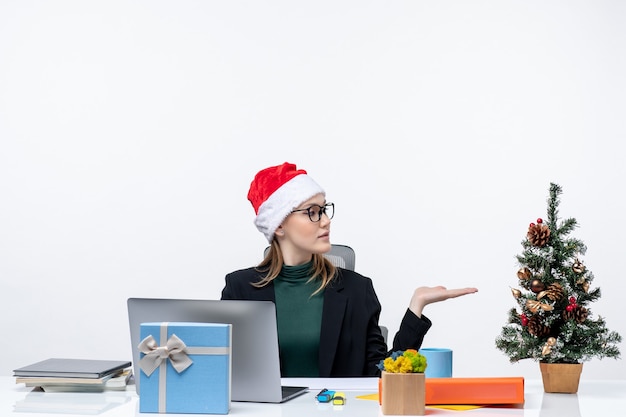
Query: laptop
x,y
255,359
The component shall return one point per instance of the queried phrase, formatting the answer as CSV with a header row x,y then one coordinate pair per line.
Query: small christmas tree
x,y
554,322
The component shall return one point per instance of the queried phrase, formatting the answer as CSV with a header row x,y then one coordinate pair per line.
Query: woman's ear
x,y
280,231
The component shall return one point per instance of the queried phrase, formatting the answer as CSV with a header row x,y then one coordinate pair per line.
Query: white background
x,y
130,131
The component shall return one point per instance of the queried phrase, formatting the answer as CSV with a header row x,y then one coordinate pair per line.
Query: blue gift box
x,y
185,368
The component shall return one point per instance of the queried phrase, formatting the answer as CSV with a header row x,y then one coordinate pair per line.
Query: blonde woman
x,y
327,317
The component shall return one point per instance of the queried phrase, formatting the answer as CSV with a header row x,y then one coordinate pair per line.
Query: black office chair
x,y
343,256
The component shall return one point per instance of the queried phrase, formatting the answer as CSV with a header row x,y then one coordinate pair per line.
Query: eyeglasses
x,y
315,211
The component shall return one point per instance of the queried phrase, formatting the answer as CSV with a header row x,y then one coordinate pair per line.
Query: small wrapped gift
x,y
185,368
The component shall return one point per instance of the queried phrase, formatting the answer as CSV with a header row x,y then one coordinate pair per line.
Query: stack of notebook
x,y
87,375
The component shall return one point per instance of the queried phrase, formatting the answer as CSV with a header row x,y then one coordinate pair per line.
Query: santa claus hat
x,y
276,191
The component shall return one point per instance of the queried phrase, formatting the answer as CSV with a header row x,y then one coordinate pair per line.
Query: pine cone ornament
x,y
536,327
554,292
578,313
538,234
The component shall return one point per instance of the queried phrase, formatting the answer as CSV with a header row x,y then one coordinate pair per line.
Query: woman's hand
x,y
423,296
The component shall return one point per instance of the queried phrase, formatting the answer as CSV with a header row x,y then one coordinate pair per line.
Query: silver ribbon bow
x,y
175,350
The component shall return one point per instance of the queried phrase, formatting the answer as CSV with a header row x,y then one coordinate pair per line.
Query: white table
x,y
594,399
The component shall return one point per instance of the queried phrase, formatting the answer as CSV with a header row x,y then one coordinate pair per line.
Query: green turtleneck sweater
x,y
299,318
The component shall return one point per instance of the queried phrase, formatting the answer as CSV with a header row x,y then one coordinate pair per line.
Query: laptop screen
x,y
255,357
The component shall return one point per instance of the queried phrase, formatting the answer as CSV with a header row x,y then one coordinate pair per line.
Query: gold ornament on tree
x,y
538,234
516,293
537,286
533,306
524,274
547,348
583,283
578,267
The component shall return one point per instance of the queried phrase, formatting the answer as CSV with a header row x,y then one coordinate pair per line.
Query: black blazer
x,y
351,344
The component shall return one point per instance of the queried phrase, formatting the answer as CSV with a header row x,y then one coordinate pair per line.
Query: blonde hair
x,y
322,268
